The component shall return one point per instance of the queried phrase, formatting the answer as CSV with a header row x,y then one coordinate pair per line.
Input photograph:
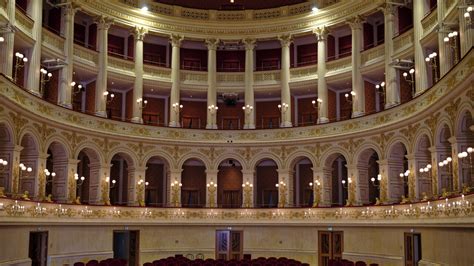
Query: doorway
x,y
412,249
330,246
38,248
126,246
229,245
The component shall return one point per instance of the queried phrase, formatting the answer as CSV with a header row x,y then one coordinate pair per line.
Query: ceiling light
x,y
231,1
315,9
2,39
144,8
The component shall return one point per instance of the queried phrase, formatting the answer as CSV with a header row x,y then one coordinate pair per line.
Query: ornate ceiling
x,y
227,5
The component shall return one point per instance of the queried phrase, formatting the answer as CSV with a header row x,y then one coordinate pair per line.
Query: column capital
x,y
7,27
139,33
355,22
387,9
71,8
285,40
103,22
249,43
321,33
212,44
176,40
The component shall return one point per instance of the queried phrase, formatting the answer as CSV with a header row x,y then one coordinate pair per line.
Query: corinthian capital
x,y
321,33
103,22
212,44
249,43
355,22
139,33
285,40
387,8
71,8
176,40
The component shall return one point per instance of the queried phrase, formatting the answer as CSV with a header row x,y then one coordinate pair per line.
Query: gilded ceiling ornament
x,y
382,141
432,122
452,110
74,140
409,132
350,146
175,151
19,123
105,145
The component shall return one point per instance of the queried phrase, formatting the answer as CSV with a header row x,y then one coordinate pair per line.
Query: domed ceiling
x,y
231,5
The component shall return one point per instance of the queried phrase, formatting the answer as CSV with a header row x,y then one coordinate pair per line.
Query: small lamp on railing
x,y
175,188
48,175
283,107
3,164
462,155
21,59
78,179
77,89
109,97
381,88
247,187
379,178
318,101
431,60
410,79
177,107
282,193
344,183
44,78
452,41
467,15
142,103
247,109
350,99
107,179
212,188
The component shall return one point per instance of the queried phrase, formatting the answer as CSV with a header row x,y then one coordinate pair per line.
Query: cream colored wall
x,y
383,245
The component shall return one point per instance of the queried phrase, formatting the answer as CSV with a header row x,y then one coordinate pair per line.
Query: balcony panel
x,y
24,23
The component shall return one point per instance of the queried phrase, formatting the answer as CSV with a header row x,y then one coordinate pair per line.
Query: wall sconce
x,y
109,97
175,188
452,41
349,100
411,80
467,15
49,174
107,180
177,107
404,176
77,89
79,180
21,59
247,109
2,39
247,187
431,60
381,88
379,178
212,109
344,183
142,103
283,107
462,156
282,194
212,188
3,164
44,78
319,102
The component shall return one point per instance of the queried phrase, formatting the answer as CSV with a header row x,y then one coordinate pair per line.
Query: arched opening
x,y
6,156
465,137
193,178
229,180
369,180
398,174
303,182
337,164
56,166
423,161
267,178
120,172
444,151
156,177
88,169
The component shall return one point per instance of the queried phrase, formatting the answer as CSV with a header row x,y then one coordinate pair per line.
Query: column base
x,y
35,93
357,114
174,124
249,126
66,105
211,126
137,120
323,120
390,105
101,114
286,124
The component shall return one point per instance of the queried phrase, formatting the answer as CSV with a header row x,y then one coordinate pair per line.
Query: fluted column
x,y
7,47
421,78
34,63
103,25
138,34
211,83
358,101
322,34
249,93
392,90
445,54
466,30
175,79
285,41
65,88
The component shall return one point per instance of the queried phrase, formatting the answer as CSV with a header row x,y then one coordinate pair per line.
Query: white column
x,y
421,78
466,30
175,79
445,53
6,48
103,25
249,93
322,34
392,90
139,34
65,89
358,101
285,41
212,83
34,63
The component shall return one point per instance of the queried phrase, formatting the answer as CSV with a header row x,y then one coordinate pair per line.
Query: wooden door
x,y
38,248
331,246
222,244
412,249
229,244
126,245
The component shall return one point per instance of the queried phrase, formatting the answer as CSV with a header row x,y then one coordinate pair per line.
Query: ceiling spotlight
x,y
231,1
144,8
